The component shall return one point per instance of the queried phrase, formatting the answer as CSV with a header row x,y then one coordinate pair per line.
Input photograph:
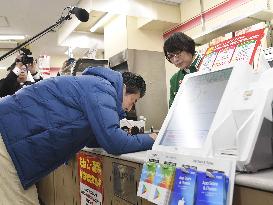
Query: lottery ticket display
x,y
241,48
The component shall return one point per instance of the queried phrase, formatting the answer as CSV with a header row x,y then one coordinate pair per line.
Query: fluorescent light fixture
x,y
103,20
12,37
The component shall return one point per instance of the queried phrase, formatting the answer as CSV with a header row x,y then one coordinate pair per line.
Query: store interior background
x,y
134,33
134,30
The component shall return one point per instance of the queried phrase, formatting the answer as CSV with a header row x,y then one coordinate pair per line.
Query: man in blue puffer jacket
x,y
45,124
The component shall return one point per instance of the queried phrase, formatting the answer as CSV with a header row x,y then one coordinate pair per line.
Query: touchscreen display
x,y
194,108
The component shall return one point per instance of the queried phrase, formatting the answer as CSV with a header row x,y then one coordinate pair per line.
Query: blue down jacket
x,y
45,124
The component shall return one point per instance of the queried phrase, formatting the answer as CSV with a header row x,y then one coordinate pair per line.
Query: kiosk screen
x,y
194,108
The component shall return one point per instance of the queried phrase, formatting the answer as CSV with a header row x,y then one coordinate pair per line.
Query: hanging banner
x,y
90,171
239,48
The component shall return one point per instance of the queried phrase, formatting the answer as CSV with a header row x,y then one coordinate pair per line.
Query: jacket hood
x,y
115,78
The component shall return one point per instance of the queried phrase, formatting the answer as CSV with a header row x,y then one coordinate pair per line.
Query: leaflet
x,y
163,181
146,179
184,186
211,188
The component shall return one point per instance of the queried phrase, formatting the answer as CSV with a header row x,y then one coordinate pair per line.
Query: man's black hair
x,y
134,83
178,42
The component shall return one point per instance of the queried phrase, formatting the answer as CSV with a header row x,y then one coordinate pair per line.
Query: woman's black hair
x,y
134,83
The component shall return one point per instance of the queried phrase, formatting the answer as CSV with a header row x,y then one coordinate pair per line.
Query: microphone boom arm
x,y
37,36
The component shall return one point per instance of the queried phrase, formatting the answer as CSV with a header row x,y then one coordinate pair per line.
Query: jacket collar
x,y
115,78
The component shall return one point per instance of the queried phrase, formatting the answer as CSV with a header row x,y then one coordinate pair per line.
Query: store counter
x,y
262,180
120,181
137,157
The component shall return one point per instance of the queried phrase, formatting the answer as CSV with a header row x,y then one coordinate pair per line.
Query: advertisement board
x,y
91,185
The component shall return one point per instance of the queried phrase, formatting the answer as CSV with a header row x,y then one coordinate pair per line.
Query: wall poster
x,y
238,48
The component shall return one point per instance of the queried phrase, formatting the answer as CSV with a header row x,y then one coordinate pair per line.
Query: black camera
x,y
26,56
26,59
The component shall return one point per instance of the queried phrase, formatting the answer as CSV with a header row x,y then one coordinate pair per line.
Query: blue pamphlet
x,y
211,188
184,187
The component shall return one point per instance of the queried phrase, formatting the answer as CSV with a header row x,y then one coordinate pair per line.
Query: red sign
x,y
90,171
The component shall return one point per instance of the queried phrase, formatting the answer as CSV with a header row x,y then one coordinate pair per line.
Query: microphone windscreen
x,y
81,14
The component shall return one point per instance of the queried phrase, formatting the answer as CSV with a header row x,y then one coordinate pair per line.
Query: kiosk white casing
x,y
225,113
242,125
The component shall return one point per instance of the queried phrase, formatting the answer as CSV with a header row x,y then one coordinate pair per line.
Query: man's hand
x,y
153,135
19,65
32,67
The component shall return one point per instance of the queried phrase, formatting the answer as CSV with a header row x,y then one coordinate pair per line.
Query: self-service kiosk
x,y
224,113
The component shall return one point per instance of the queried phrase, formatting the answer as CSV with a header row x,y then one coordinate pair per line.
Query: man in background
x,y
179,50
67,67
23,72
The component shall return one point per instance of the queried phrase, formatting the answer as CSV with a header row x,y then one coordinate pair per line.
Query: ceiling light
x,y
12,37
102,21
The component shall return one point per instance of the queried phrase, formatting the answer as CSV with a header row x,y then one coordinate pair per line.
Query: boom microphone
x,y
80,13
